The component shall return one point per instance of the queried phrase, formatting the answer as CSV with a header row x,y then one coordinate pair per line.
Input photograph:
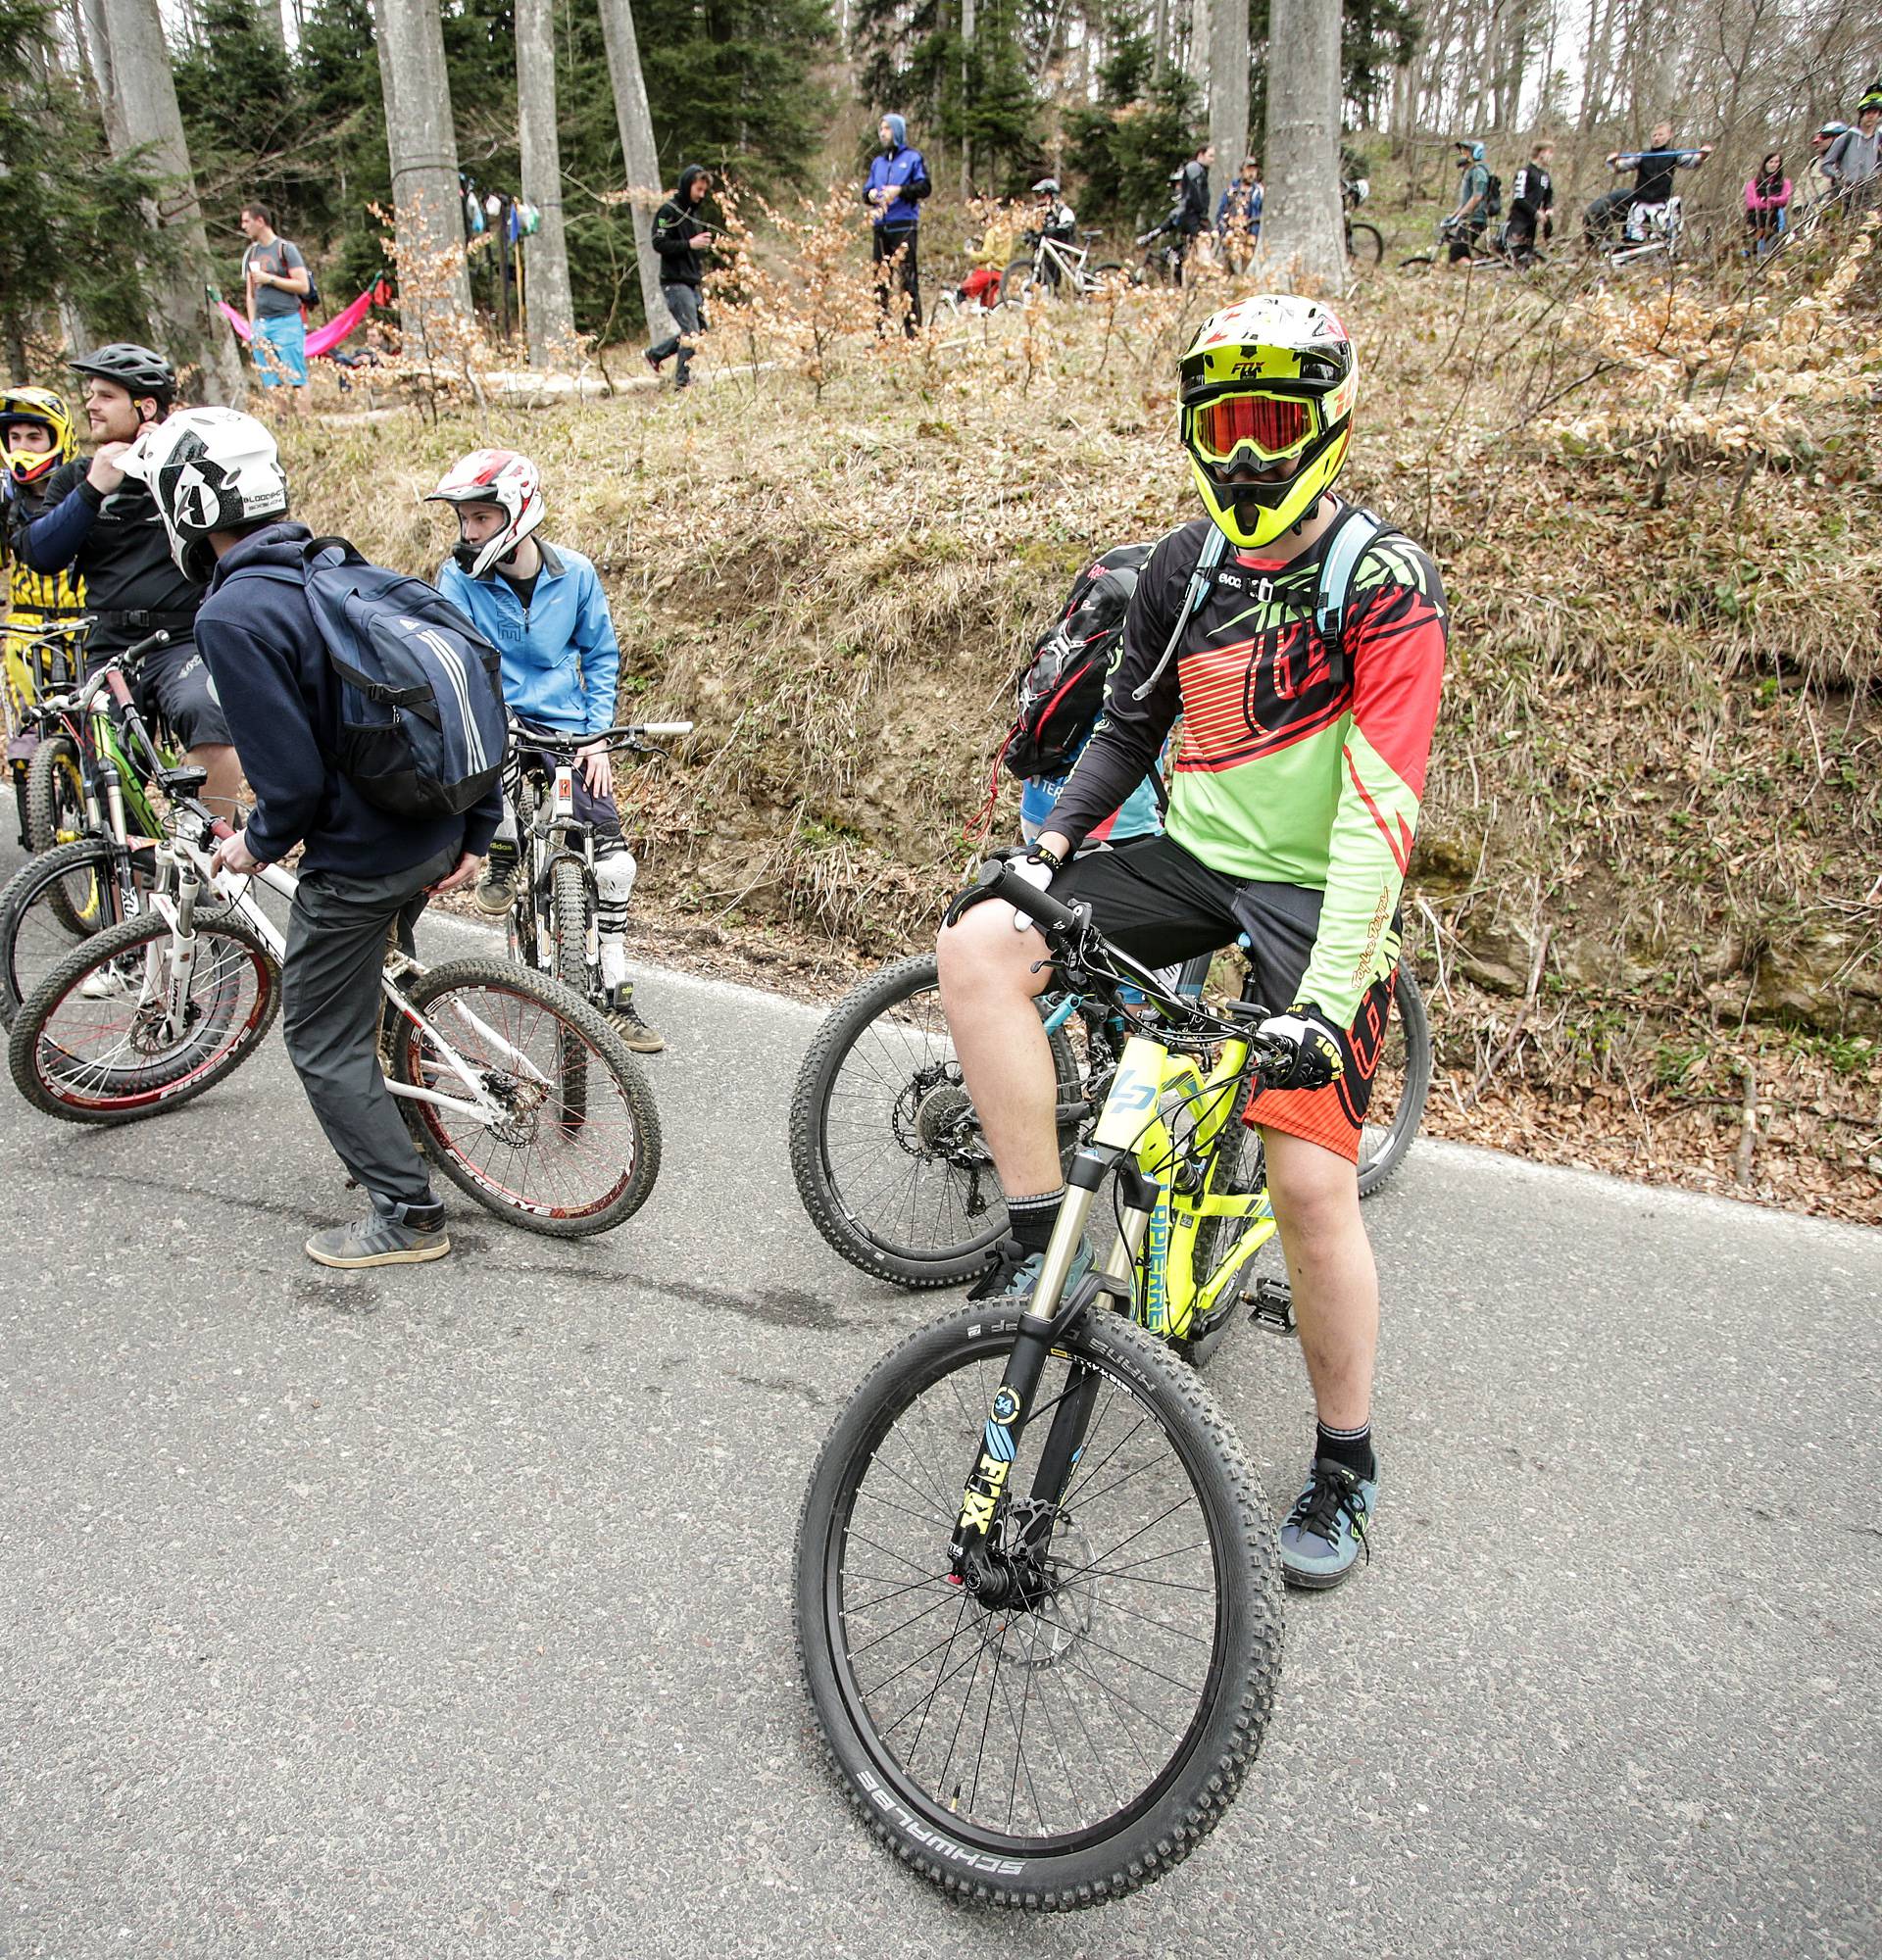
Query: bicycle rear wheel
x,y
886,1146
579,1147
50,904
1365,246
1055,1755
94,1042
1400,1086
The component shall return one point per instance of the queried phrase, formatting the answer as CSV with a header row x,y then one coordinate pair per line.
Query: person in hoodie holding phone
x,y
897,182
680,237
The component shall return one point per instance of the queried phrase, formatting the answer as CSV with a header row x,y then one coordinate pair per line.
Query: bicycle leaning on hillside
x,y
514,1087
1043,1641
887,1150
1054,268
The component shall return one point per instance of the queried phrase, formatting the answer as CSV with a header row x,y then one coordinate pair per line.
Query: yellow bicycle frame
x,y
1166,1112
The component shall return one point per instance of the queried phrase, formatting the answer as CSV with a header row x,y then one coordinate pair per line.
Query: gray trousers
x,y
336,939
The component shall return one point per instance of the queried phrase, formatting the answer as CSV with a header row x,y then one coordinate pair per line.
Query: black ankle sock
x,y
1030,1219
1351,1447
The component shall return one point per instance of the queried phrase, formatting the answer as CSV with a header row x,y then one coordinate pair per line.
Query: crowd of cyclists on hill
x,y
1295,759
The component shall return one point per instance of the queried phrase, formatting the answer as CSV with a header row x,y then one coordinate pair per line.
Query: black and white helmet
x,y
208,470
1046,187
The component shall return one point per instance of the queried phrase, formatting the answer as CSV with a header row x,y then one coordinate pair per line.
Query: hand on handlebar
x,y
598,767
1037,875
1315,1046
233,854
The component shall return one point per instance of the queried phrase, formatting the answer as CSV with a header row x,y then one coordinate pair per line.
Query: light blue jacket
x,y
561,659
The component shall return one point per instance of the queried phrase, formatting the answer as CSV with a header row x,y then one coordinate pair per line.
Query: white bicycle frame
x,y
1650,228
194,868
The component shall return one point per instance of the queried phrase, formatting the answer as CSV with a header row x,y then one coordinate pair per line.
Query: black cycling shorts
x,y
174,685
1162,905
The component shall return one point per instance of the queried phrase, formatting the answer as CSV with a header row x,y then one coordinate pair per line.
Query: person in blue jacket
x,y
897,182
542,608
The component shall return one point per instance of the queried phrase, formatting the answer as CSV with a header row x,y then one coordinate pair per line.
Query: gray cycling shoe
x,y
408,1235
1330,1527
1012,1276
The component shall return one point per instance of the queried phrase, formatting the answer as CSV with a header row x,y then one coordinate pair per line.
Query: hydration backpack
x,y
1492,196
1060,689
422,727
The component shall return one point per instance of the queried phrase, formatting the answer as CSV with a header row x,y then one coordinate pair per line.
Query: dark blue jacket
x,y
904,171
282,699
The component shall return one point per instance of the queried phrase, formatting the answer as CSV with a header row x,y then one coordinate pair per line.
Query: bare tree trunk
x,y
969,23
435,283
147,100
104,80
1159,39
1597,63
1228,86
268,17
637,146
552,310
1303,234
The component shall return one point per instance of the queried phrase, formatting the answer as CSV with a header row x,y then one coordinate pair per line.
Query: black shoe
x,y
653,361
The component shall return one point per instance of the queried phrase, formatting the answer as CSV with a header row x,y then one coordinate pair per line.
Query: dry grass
x,y
1660,727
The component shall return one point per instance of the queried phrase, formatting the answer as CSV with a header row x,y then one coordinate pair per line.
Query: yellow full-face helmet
x,y
46,410
1266,396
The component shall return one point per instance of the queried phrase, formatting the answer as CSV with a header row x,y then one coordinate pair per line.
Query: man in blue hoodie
x,y
542,608
220,488
897,182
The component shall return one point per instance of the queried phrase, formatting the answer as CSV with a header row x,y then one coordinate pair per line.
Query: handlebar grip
x,y
999,877
666,728
222,828
120,692
160,638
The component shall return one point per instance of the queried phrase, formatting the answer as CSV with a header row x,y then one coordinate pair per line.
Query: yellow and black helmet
x,y
1267,386
44,409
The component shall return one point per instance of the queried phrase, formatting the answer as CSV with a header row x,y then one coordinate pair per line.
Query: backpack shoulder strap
x,y
1209,556
1356,533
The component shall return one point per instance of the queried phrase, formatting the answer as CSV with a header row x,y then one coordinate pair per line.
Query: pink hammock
x,y
319,340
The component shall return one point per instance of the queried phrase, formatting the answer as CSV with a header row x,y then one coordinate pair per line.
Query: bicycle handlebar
x,y
629,735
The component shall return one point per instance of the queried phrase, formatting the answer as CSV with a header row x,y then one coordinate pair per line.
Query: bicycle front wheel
x,y
1056,1754
50,904
115,1031
577,1146
886,1146
1365,246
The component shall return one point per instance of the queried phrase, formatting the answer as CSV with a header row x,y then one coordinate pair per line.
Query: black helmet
x,y
140,371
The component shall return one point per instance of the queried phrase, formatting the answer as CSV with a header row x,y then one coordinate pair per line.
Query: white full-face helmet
x,y
505,478
208,470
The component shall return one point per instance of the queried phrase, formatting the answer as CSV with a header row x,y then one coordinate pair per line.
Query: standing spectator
x,y
897,182
1652,169
679,239
277,279
105,527
364,873
1767,198
1854,161
1238,217
1466,225
1818,187
1193,200
35,438
1533,204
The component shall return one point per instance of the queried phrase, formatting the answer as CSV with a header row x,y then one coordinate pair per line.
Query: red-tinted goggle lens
x,y
1275,425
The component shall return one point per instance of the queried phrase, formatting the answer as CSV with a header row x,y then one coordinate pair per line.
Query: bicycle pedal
x,y
1271,1305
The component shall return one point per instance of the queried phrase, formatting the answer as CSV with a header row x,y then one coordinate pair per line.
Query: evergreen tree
x,y
1144,126
74,223
912,56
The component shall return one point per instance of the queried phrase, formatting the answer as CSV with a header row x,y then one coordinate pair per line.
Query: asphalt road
x,y
446,1611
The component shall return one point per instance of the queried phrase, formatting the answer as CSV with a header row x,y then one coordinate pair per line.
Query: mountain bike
x,y
1365,243
1651,231
552,925
887,1150
1037,1594
1054,268
93,775
36,661
1490,251
509,1083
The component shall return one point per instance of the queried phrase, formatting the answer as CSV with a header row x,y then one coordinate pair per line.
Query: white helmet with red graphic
x,y
503,478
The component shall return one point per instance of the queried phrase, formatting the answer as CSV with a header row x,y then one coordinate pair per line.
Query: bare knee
x,y
981,955
1315,1193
